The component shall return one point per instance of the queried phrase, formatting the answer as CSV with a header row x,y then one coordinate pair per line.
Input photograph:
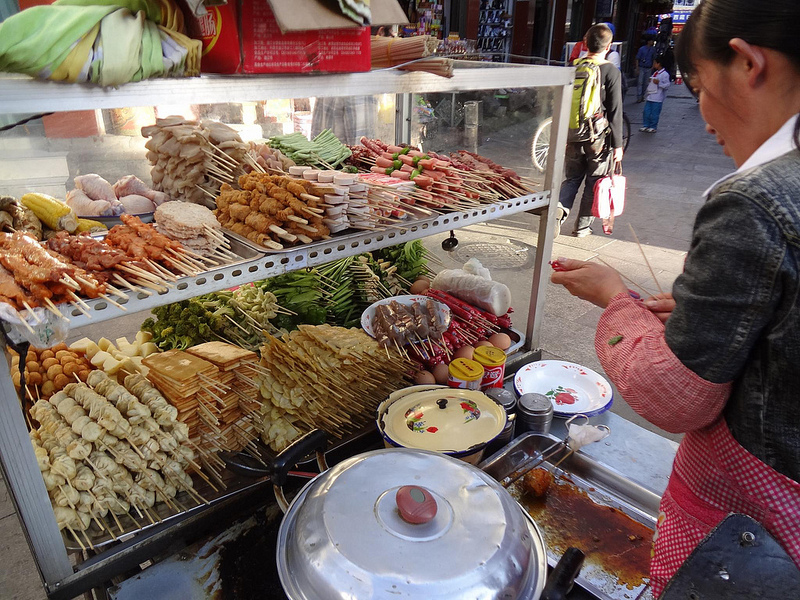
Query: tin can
x,y
465,373
508,400
534,413
493,361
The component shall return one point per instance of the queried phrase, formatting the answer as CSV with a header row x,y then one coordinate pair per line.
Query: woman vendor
x,y
719,358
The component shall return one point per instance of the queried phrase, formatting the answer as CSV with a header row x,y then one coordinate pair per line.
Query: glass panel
x,y
498,124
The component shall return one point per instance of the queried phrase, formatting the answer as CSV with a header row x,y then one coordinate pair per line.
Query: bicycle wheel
x,y
541,144
626,132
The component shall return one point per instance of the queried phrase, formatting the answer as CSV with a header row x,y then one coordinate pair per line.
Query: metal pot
x,y
403,523
457,422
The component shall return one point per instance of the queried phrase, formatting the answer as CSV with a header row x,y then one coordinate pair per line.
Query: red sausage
x,y
423,182
384,162
394,149
406,159
437,175
401,174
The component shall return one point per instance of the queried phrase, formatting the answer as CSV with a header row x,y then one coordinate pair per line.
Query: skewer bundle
x,y
323,376
271,208
192,159
102,451
230,399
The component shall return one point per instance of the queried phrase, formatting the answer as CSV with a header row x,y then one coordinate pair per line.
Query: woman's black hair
x,y
714,23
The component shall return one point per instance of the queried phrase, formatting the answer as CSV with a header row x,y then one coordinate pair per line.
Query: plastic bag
x,y
488,295
49,331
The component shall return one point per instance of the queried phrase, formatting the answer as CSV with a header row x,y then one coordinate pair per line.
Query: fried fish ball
x,y
49,362
537,481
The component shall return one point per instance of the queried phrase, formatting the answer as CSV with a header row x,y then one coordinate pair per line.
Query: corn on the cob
x,y
51,211
90,225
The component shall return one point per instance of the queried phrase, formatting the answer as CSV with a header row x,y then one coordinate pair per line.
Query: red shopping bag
x,y
609,198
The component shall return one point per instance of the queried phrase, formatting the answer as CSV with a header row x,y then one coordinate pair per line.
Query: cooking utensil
x,y
351,532
457,422
572,388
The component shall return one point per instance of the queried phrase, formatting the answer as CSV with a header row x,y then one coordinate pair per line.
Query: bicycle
x,y
541,141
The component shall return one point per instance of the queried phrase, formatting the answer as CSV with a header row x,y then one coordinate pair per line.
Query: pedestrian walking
x,y
594,141
656,93
717,358
644,67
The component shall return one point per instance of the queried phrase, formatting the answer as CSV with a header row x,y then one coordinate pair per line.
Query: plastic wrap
x,y
484,293
45,331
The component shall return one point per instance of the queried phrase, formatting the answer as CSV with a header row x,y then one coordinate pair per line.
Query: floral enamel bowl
x,y
456,422
572,388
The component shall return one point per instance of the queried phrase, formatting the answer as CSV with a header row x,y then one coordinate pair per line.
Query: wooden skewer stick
x,y
127,284
52,308
85,312
114,302
25,323
635,237
69,282
77,539
30,311
118,292
297,219
628,279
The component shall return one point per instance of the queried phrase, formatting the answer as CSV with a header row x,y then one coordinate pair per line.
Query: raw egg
x,y
464,352
441,373
483,343
420,285
424,378
500,340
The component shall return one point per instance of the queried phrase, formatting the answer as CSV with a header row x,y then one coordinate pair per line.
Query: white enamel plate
x,y
573,389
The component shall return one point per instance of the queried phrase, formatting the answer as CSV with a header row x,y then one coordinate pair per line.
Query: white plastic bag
x,y
491,296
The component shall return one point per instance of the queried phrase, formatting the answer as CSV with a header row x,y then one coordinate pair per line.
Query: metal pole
x,y
26,485
553,4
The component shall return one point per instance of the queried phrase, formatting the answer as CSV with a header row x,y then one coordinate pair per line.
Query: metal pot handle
x,y
562,577
313,441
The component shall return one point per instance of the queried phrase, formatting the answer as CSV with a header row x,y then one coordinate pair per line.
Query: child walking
x,y
656,92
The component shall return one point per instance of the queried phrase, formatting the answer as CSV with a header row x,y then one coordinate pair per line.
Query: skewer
x,y
635,237
67,281
77,299
85,312
77,539
25,323
118,292
125,283
114,302
30,311
626,278
52,308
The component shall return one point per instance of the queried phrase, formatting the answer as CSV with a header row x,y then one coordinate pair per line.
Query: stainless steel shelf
x,y
19,94
309,256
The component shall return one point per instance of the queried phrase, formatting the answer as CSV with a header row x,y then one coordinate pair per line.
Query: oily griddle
x,y
611,540
248,569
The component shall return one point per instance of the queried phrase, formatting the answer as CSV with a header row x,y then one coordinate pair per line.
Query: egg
x,y
500,340
441,373
464,352
424,378
483,343
420,285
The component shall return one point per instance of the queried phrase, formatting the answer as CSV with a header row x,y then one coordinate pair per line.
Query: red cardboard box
x,y
265,49
219,32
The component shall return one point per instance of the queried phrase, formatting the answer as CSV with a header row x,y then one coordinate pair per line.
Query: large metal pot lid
x,y
440,418
344,535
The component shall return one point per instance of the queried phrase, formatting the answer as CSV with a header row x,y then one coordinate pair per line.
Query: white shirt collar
x,y
779,144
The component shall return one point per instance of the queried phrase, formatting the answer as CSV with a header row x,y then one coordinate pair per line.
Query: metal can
x,y
508,400
534,413
493,361
465,373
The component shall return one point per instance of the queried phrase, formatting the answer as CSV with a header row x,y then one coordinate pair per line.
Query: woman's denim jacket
x,y
738,307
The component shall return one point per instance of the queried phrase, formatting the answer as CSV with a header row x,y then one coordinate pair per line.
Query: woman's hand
x,y
661,305
588,280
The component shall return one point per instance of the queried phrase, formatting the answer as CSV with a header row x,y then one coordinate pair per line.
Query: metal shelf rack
x,y
23,96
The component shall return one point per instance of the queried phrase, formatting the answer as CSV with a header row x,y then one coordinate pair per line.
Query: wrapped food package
x,y
491,296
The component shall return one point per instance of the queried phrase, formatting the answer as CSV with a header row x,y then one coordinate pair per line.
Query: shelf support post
x,y
562,99
24,481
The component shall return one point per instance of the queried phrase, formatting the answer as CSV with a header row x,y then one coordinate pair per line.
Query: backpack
x,y
587,118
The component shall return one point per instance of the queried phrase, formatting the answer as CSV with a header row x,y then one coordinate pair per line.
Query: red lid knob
x,y
416,504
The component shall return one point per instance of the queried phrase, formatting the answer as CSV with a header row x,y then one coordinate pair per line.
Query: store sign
x,y
679,17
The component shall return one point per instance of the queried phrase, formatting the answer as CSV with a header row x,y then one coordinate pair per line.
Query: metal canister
x,y
465,373
508,401
534,413
493,361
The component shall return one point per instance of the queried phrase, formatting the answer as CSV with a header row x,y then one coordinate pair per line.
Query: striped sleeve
x,y
634,353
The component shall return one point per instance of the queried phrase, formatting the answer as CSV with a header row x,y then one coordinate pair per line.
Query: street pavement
x,y
666,172
666,175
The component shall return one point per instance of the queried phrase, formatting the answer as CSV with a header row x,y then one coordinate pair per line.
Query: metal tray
x,y
603,486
